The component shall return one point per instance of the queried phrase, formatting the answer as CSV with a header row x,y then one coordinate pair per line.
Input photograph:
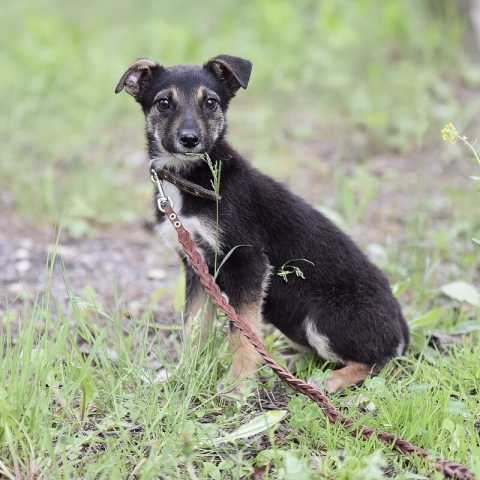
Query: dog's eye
x,y
163,104
211,103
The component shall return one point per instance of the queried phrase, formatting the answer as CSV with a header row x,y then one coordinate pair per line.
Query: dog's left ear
x,y
234,71
137,77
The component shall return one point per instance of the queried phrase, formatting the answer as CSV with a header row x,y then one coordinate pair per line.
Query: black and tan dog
x,y
343,309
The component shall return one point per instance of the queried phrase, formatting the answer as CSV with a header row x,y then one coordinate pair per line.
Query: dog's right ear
x,y
137,77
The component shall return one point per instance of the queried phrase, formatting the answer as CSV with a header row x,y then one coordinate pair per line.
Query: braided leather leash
x,y
188,187
447,468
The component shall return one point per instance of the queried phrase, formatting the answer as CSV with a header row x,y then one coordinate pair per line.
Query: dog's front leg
x,y
198,307
245,359
245,281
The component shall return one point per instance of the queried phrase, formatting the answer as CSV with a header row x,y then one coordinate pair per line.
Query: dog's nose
x,y
189,138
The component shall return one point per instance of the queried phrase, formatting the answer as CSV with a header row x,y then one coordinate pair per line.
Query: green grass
x,y
81,397
88,393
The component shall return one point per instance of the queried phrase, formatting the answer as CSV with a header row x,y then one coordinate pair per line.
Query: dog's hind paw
x,y
350,375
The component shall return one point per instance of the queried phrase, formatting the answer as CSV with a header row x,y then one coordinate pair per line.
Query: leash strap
x,y
184,185
447,468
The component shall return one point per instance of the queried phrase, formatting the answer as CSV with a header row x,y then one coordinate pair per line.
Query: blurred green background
x,y
391,70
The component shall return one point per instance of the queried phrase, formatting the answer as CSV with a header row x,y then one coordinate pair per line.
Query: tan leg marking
x,y
352,374
245,358
199,308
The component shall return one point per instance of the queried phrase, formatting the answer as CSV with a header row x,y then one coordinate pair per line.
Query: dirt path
x,y
124,266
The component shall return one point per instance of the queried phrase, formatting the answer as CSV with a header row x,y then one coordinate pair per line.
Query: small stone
x,y
26,243
23,266
161,376
156,274
155,364
365,404
61,250
16,288
21,254
112,355
134,308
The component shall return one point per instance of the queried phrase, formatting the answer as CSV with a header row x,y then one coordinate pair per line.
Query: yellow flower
x,y
450,133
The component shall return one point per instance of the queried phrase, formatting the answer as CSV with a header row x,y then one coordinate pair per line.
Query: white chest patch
x,y
173,193
197,226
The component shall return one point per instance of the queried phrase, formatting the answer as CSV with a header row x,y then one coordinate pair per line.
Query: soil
x,y
123,265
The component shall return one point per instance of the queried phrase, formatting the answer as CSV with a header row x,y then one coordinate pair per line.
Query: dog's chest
x,y
199,226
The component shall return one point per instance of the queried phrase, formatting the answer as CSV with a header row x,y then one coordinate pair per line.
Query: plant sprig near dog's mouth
x,y
286,269
216,171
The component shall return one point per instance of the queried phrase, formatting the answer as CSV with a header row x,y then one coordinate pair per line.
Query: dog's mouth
x,y
175,160
199,150
177,150
189,156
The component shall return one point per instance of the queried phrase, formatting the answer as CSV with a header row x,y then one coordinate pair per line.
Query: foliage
x,y
84,400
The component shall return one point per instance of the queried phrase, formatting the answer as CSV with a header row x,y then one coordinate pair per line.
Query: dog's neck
x,y
184,165
177,163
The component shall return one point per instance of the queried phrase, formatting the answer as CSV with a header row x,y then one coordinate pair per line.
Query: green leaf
x,y
259,424
210,470
269,455
463,292
227,256
87,388
400,287
464,328
88,392
295,468
374,465
427,320
458,408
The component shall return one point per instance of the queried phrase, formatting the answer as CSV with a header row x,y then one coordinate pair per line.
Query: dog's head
x,y
185,105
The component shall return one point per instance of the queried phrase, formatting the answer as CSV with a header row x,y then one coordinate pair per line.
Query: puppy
x,y
339,305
